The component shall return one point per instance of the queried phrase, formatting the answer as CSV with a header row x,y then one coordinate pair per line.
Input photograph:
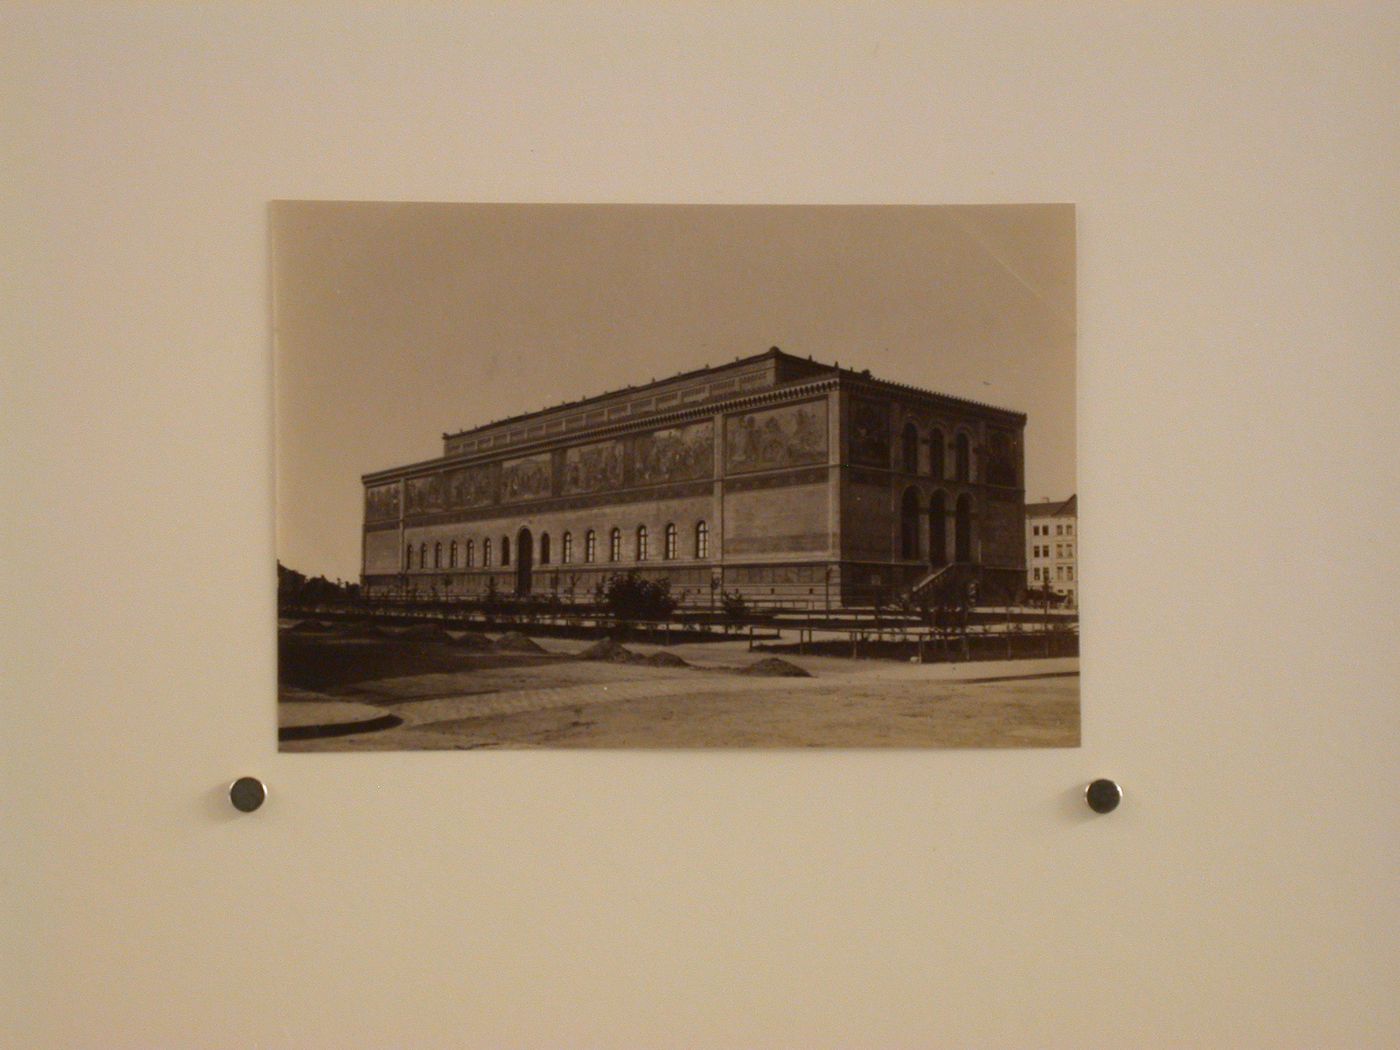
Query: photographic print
x,y
675,476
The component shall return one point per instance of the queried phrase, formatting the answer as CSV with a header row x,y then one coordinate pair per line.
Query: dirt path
x,y
574,703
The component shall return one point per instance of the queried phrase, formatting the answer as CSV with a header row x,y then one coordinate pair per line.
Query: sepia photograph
x,y
675,476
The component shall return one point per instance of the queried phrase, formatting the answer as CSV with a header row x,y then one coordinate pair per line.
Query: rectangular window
x,y
1069,572
1059,572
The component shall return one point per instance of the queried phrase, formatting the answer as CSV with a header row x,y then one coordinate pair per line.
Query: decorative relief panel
x,y
870,433
679,454
778,437
592,468
382,502
527,478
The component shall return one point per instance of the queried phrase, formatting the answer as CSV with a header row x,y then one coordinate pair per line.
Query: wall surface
x,y
1235,170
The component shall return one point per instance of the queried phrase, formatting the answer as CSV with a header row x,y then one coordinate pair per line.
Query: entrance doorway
x,y
524,561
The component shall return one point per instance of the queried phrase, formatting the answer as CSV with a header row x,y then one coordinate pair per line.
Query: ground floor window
x,y
702,540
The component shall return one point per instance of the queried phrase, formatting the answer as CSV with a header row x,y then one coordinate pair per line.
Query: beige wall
x,y
777,522
1235,174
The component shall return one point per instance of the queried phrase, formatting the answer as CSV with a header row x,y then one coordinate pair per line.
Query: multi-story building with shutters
x,y
789,481
1052,546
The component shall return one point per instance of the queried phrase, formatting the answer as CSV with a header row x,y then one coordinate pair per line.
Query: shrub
x,y
628,596
734,606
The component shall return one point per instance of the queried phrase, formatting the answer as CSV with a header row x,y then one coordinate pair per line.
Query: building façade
x,y
785,480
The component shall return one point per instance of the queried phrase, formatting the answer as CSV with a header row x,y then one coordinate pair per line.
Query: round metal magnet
x,y
247,794
1103,796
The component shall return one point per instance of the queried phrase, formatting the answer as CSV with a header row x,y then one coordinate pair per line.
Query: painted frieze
x,y
423,495
469,487
525,478
593,468
777,437
678,454
382,502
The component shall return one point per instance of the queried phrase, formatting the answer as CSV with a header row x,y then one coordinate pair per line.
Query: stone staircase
x,y
942,584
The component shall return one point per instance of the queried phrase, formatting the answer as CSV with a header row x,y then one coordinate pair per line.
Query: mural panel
x,y
593,468
425,494
382,503
469,487
526,478
777,437
870,433
679,454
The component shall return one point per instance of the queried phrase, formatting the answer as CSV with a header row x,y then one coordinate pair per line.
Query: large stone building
x,y
1051,544
788,481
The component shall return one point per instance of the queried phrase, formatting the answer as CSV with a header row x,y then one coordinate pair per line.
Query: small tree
x,y
628,596
734,606
491,602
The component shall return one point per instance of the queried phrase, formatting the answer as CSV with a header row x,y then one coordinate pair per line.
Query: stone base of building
x,y
800,585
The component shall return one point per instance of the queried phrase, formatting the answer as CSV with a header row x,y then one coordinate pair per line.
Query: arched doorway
x,y
938,530
909,525
962,529
524,561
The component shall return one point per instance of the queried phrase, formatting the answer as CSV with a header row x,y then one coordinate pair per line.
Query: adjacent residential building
x,y
1051,545
789,481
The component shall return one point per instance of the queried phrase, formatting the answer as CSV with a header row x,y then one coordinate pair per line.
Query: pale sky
x,y
396,322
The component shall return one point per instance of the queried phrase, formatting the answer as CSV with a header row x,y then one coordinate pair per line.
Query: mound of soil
x,y
310,627
664,659
472,640
774,667
365,630
426,632
609,650
515,642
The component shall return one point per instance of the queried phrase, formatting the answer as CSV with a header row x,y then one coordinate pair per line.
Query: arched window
x,y
935,454
408,556
423,556
642,551
590,546
938,530
452,555
909,448
568,547
471,554
670,552
615,545
962,529
505,550
702,540
963,457
544,548
437,555
909,525
486,553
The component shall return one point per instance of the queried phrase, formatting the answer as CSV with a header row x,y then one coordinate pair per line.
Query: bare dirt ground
x,y
450,696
